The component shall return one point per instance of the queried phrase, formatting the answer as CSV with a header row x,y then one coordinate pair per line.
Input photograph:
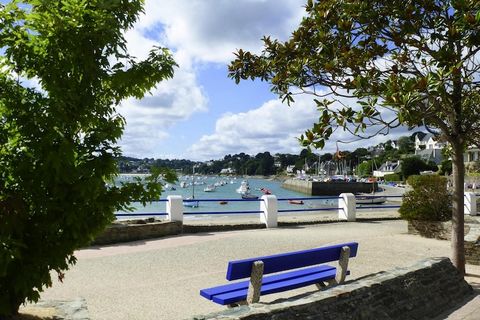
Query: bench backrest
x,y
240,269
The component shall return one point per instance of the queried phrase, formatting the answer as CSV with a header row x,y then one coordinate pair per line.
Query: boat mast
x,y
193,183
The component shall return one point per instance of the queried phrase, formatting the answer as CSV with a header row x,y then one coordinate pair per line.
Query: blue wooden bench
x,y
294,274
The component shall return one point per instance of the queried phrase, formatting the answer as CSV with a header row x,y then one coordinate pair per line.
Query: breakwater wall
x,y
421,291
332,188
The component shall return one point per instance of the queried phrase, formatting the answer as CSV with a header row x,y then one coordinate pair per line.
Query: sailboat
x,y
370,198
244,190
190,201
244,187
209,188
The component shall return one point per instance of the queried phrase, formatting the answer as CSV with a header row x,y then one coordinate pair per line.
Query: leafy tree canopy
x,y
58,139
406,145
402,62
415,165
418,57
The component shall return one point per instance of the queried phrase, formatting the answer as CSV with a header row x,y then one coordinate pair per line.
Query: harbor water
x,y
226,191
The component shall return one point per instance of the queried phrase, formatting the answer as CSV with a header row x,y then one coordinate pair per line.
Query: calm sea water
x,y
228,191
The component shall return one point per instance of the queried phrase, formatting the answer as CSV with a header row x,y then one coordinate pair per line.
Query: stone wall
x,y
422,291
443,231
472,252
137,230
333,188
56,309
431,229
472,242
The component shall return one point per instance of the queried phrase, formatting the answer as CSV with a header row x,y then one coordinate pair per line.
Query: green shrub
x,y
429,200
392,177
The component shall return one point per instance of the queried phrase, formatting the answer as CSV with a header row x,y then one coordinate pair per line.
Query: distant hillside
x,y
266,164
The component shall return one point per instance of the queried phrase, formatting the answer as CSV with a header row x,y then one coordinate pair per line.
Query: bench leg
x,y
342,265
322,285
236,304
255,285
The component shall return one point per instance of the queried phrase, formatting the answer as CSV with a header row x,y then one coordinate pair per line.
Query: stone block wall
x,y
142,229
443,231
472,252
431,229
472,243
421,291
55,309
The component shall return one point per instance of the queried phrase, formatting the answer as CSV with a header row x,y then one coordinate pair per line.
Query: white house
x,y
290,169
427,141
428,148
388,167
472,154
227,171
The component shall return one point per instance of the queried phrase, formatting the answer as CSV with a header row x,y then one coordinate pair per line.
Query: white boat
x,y
244,190
169,187
191,202
249,196
369,199
244,187
209,188
183,184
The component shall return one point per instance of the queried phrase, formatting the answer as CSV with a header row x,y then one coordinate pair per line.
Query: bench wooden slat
x,y
210,292
240,269
280,286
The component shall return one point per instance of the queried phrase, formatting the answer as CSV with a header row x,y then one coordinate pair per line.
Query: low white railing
x,y
268,207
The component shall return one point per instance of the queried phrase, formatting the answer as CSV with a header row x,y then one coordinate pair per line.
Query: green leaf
x,y
58,144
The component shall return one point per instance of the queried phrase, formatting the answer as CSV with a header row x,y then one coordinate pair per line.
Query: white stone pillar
x,y
347,207
470,203
269,206
175,208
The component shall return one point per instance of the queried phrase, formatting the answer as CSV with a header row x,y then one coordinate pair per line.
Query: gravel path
x,y
160,279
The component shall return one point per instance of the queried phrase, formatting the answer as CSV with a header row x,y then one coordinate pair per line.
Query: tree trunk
x,y
458,232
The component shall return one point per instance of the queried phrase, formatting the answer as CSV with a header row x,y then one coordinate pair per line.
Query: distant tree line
x,y
361,161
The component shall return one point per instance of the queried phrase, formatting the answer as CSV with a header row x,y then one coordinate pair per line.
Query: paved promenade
x,y
160,279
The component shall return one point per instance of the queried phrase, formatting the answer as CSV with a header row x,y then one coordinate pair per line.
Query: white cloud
x,y
206,31
197,31
149,119
210,30
275,127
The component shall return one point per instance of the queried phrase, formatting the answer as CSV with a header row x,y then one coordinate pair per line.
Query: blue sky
x,y
201,114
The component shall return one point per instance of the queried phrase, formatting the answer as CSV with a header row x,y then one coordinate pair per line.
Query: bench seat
x,y
282,272
235,292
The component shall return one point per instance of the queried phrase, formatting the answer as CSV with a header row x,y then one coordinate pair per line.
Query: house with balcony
x,y
428,147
